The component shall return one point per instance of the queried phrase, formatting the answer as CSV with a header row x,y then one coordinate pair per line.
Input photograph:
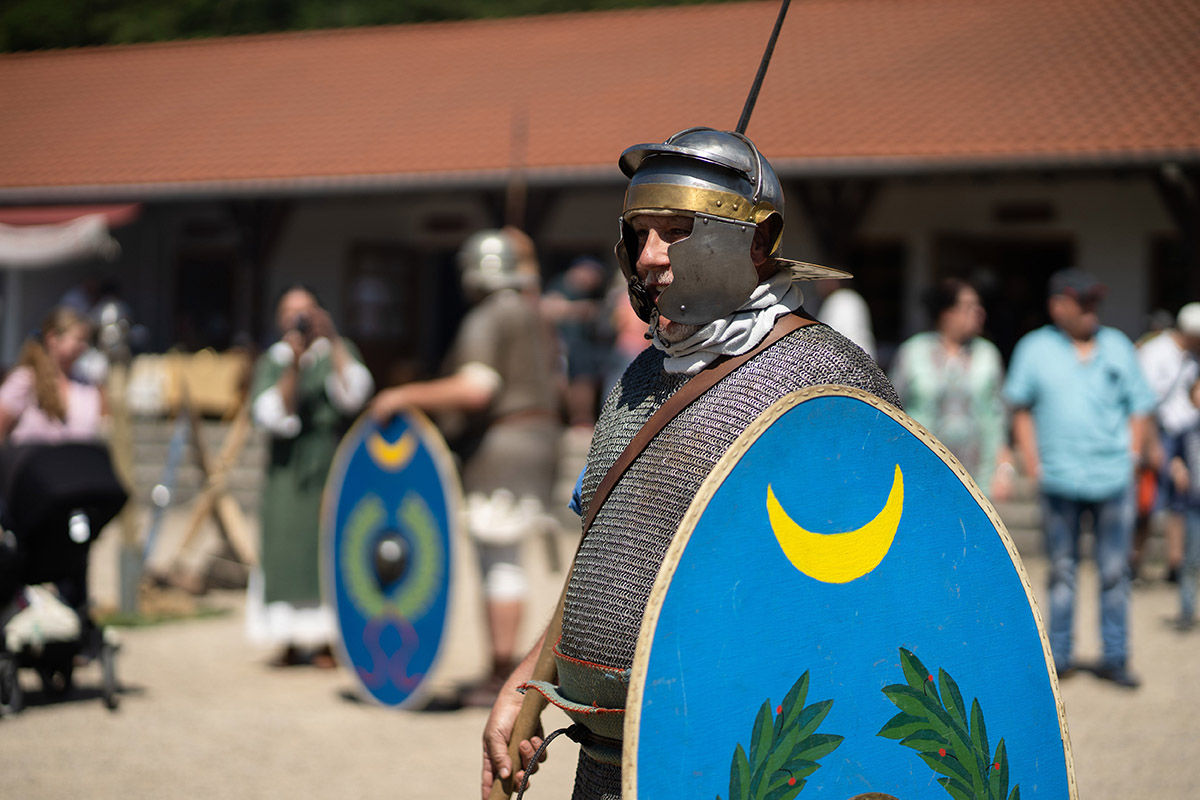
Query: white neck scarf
x,y
737,333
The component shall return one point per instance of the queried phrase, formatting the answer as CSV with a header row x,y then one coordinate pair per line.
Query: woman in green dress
x,y
307,389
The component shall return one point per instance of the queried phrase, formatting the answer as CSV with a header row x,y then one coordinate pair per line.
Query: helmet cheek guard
x,y
712,271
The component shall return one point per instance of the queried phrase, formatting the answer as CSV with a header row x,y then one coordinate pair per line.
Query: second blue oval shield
x,y
391,503
843,613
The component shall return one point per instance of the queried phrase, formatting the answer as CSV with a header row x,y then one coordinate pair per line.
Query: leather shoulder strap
x,y
683,398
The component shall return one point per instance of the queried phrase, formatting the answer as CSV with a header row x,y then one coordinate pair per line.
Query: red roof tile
x,y
885,84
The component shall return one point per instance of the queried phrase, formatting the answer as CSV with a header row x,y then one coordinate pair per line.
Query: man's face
x,y
1077,316
655,233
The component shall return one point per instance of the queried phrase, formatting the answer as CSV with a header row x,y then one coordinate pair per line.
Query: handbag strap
x,y
687,394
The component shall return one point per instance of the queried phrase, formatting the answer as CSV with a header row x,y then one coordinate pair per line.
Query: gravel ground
x,y
202,715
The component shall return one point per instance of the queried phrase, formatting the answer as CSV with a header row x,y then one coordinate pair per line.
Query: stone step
x,y
152,439
162,428
243,484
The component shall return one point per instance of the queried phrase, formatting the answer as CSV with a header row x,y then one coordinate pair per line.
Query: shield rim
x,y
431,438
726,465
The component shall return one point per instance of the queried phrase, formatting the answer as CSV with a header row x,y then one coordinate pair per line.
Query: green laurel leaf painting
x,y
785,748
934,721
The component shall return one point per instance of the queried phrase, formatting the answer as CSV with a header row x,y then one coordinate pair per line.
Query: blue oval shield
x,y
843,612
390,503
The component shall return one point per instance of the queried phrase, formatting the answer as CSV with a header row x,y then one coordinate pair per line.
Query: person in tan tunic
x,y
500,383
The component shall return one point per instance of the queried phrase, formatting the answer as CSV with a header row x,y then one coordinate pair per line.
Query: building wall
x,y
138,270
314,246
582,222
384,267
1111,221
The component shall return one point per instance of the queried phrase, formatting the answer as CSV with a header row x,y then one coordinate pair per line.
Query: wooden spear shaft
x,y
526,725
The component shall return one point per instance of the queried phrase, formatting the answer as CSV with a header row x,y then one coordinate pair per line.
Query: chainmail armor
x,y
596,781
620,557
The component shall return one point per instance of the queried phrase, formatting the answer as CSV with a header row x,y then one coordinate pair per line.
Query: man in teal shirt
x,y
1080,410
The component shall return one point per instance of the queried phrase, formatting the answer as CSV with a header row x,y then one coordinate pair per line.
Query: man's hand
x,y
388,404
496,734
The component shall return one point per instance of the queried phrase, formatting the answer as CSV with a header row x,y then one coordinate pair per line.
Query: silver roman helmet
x,y
489,261
720,179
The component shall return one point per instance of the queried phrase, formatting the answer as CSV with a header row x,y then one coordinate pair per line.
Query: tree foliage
x,y
42,24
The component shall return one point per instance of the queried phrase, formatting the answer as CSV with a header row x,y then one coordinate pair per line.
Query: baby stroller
x,y
54,500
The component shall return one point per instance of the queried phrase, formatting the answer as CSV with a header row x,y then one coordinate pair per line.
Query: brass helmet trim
x,y
653,197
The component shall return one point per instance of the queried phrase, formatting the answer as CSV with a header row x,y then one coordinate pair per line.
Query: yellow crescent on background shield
x,y
392,456
838,557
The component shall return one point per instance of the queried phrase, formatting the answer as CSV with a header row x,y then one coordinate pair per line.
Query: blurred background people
x,y
1171,364
1157,321
98,300
83,296
500,384
630,334
575,302
1184,470
842,308
306,390
1080,412
950,380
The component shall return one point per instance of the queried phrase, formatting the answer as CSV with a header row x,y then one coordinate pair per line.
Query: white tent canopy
x,y
27,247
39,246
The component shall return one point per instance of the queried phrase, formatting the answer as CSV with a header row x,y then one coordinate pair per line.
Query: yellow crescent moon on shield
x,y
839,557
392,456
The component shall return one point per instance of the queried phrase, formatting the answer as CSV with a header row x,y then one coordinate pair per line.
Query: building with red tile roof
x,y
855,86
916,138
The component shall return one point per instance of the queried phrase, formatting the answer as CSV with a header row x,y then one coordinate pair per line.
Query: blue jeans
x,y
1191,565
1114,520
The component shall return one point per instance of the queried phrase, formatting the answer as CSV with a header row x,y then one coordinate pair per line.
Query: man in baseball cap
x,y
1080,407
